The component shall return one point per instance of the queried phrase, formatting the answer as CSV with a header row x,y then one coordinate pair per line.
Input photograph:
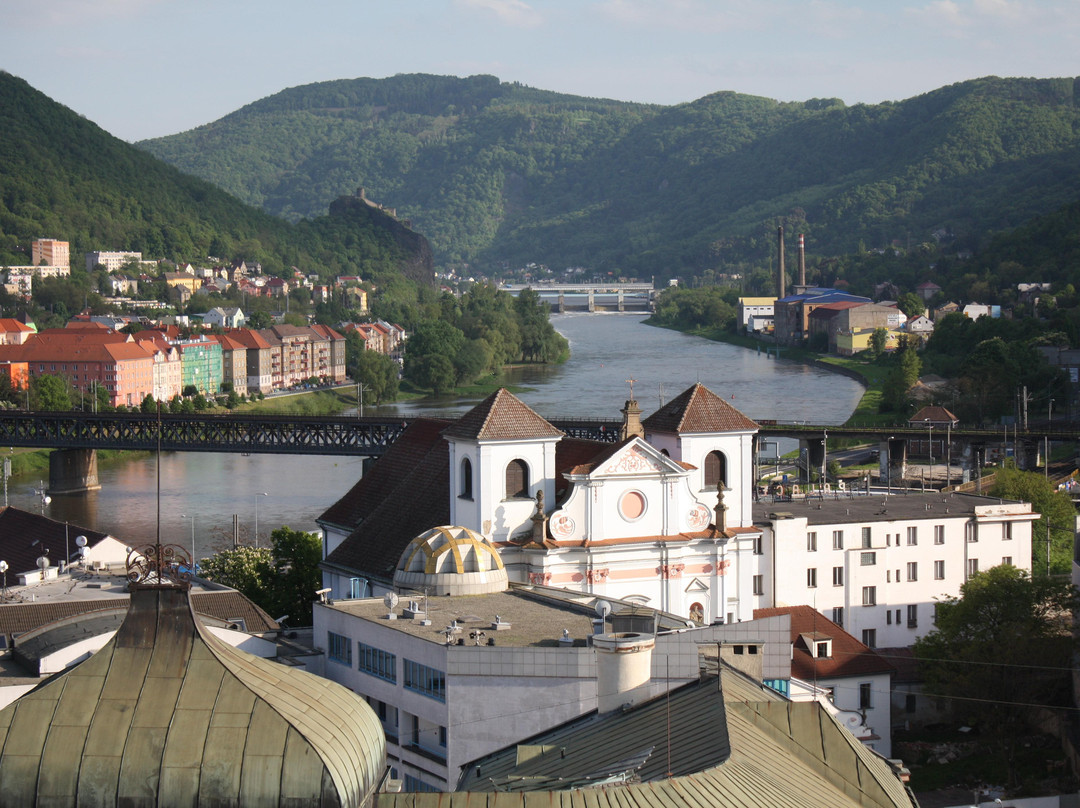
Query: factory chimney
x,y
781,280
802,262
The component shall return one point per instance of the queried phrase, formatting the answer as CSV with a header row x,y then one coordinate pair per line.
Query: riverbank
x,y
870,376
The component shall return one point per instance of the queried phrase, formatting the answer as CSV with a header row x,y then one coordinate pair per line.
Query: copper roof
x,y
502,416
165,713
698,409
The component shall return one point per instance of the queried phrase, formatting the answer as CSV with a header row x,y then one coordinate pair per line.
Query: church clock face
x,y
632,505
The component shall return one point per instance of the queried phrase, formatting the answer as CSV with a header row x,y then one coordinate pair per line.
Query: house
x,y
921,326
225,317
851,677
168,369
233,362
927,290
190,282
13,332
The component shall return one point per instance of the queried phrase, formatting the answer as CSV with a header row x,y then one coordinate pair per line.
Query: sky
x,y
147,68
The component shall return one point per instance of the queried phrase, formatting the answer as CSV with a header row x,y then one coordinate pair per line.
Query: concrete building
x,y
231,317
50,252
111,261
755,308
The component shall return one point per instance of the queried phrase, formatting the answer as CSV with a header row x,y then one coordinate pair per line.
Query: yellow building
x,y
189,282
852,342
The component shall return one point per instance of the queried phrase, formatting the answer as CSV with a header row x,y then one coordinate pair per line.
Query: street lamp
x,y
192,518
45,498
261,494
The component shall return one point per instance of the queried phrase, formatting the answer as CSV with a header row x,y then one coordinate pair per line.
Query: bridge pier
x,y
73,471
622,304
592,301
560,307
1027,454
815,455
892,461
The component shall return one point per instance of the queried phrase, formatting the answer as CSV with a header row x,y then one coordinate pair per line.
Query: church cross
x,y
631,383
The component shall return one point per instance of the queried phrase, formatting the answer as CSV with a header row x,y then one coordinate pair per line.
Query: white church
x,y
665,517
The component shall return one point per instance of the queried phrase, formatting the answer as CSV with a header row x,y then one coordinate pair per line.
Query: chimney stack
x,y
623,669
781,279
802,261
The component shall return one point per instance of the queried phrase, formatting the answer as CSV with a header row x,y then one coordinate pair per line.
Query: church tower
x,y
501,455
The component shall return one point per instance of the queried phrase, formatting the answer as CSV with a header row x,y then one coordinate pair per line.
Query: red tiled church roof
x,y
698,410
502,416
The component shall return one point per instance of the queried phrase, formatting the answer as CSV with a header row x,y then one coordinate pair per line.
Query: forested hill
x,y
494,172
63,177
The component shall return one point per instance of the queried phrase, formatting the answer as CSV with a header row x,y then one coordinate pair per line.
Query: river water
x,y
606,351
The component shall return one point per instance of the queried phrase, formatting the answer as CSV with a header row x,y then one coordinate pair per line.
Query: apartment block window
x,y
866,695
838,615
1006,531
1006,560
837,576
869,596
939,570
939,534
425,681
888,617
913,571
866,540
913,616
811,577
376,662
969,532
867,559
869,637
811,542
338,649
838,540
912,536
972,566
759,584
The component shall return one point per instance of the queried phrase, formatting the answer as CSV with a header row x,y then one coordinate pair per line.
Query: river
x,y
606,351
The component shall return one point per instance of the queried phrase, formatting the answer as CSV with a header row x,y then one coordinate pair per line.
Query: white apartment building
x,y
876,565
111,260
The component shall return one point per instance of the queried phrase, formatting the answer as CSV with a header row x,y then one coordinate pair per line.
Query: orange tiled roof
x,y
698,409
849,656
502,416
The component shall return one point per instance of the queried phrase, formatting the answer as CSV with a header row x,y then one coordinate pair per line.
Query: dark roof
x,y
502,416
24,536
590,749
849,656
698,409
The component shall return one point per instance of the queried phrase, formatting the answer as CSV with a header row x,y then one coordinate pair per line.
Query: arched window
x,y
517,479
715,469
466,478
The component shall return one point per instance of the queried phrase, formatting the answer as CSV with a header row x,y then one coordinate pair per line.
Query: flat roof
x,y
878,507
536,615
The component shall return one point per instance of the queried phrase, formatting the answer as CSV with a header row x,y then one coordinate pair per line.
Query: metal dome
x,y
451,560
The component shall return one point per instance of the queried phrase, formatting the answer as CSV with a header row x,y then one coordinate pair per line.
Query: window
x,y
757,545
913,571
939,534
972,566
424,680
909,703
466,478
867,559
939,570
377,662
869,596
913,616
338,649
969,532
1006,531
413,783
823,649
866,540
517,479
912,536
838,615
811,542
888,617
837,576
811,577
715,469
869,637
838,540
356,588
866,699
759,584
1006,560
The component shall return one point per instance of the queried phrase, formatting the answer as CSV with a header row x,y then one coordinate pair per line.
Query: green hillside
x,y
495,174
63,177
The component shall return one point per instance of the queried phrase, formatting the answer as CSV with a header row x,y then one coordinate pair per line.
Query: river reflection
x,y
606,351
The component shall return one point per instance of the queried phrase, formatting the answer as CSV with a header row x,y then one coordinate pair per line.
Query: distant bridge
x,y
614,296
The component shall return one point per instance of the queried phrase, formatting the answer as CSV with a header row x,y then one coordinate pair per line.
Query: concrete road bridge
x,y
614,296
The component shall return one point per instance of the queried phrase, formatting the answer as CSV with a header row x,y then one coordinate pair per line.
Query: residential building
x,y
168,366
201,365
177,280
233,362
111,261
50,252
298,353
258,360
222,317
927,290
13,332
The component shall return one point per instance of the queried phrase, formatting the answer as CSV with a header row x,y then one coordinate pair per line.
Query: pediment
x,y
636,459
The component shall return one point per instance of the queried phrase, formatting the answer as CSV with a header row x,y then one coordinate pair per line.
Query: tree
x,y
378,374
911,304
1000,647
1056,520
878,340
149,404
248,570
50,393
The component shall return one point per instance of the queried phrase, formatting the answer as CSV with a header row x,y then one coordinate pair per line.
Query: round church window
x,y
632,505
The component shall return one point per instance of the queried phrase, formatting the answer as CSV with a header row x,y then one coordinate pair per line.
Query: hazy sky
x,y
143,68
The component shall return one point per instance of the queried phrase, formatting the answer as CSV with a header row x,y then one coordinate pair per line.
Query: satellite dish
x,y
43,562
80,541
390,599
4,567
83,552
603,608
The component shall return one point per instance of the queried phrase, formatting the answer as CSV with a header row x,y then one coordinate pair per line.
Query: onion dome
x,y
167,714
451,561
